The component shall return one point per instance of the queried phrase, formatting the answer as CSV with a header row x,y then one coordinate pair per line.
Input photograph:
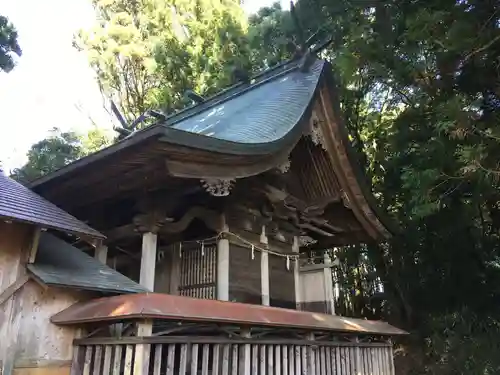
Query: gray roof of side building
x,y
58,263
18,203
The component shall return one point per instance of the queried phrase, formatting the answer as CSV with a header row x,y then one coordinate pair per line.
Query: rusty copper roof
x,y
19,203
170,307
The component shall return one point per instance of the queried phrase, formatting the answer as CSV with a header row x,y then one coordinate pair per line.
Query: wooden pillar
x,y
327,272
223,264
264,269
245,353
148,260
146,279
101,253
296,274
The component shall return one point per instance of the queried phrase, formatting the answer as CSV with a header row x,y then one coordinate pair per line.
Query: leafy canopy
x,y
8,44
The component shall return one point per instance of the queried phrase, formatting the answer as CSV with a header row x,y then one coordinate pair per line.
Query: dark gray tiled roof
x,y
19,203
60,264
265,112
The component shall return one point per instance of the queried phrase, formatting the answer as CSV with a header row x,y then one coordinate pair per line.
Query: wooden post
x,y
296,274
175,269
148,260
101,253
245,353
146,279
223,264
330,303
264,269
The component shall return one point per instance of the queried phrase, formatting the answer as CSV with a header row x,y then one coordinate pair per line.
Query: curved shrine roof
x,y
244,131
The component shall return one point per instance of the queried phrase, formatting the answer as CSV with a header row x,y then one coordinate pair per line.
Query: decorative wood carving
x,y
218,187
316,133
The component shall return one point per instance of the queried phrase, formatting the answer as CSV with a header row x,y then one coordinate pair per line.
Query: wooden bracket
x,y
13,288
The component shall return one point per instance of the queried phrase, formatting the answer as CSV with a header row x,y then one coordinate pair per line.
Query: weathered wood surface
x,y
279,276
244,275
26,333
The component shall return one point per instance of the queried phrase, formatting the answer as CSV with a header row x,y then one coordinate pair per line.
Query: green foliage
x,y
420,92
148,53
8,44
57,150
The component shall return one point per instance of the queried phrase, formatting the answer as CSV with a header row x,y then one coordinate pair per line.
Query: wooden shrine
x,y
216,210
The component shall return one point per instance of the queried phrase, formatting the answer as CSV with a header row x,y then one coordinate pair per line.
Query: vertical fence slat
x,y
255,359
338,364
328,360
77,361
234,360
245,359
158,351
204,359
225,360
97,360
215,360
304,365
333,357
170,359
183,359
387,365
108,350
310,360
284,351
194,359
117,361
277,360
87,360
127,368
270,359
322,354
262,359
291,359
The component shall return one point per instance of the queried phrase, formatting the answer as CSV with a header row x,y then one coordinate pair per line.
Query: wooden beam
x,y
12,288
264,270
327,271
34,245
223,264
101,253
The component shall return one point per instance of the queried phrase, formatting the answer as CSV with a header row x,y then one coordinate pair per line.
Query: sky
x,y
52,84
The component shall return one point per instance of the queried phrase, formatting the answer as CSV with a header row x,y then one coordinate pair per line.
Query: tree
x,y
148,53
57,150
8,44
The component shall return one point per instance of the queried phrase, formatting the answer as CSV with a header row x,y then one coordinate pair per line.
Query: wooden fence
x,y
212,356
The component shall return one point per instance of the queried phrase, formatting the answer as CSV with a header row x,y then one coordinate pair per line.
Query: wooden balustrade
x,y
225,356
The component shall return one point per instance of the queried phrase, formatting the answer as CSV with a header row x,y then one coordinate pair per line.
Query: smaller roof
x,y
19,203
58,263
170,307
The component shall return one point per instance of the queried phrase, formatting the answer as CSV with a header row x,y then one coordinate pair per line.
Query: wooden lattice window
x,y
198,271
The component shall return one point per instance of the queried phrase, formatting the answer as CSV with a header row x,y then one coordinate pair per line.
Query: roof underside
x,y
18,203
58,263
177,308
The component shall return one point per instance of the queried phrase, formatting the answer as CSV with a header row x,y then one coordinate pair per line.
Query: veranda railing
x,y
224,356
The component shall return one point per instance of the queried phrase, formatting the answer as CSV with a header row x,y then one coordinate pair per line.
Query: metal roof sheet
x,y
60,264
19,203
170,307
263,113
